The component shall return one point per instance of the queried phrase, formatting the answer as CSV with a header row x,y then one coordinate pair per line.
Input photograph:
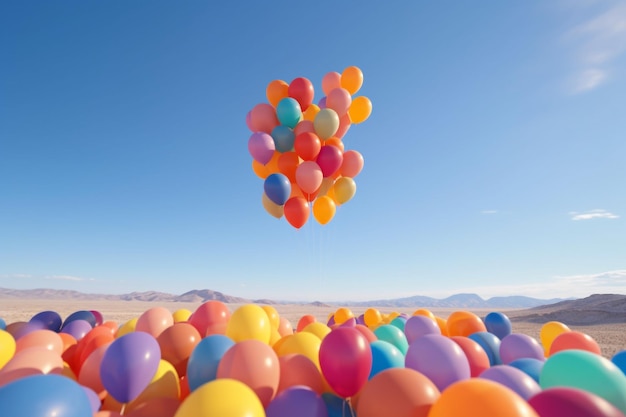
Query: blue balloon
x,y
385,356
44,395
205,358
619,359
498,324
3,324
284,138
80,315
336,406
288,112
531,366
51,320
277,188
491,345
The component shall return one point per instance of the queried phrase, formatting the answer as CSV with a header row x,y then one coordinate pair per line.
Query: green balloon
x,y
587,371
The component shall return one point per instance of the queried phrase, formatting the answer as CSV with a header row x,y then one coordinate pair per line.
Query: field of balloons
x,y
297,146
252,362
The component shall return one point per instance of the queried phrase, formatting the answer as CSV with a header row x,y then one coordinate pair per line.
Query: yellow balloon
x,y
7,347
272,314
344,189
352,79
549,331
224,397
164,384
324,209
127,327
326,123
181,315
310,113
303,343
272,208
249,321
360,109
317,328
372,317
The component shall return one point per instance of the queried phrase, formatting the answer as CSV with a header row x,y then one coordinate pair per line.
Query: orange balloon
x,y
297,211
372,317
177,342
464,323
287,164
574,340
255,364
259,169
324,209
424,312
272,165
155,407
311,112
480,397
68,340
360,109
272,208
352,79
443,325
305,321
398,392
276,91
296,369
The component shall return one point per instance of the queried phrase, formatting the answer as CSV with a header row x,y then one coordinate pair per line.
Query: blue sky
x,y
494,155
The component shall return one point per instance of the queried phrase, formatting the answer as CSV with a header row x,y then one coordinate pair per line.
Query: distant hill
x,y
461,301
595,309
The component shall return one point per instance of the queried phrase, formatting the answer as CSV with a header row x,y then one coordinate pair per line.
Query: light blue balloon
x,y
490,344
289,112
284,138
531,366
205,358
385,356
277,188
44,395
3,324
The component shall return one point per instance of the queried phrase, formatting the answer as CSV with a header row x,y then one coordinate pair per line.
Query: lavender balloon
x,y
517,346
129,364
515,379
77,328
418,326
298,401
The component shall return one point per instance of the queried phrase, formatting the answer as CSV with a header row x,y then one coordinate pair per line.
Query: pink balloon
x,y
31,361
89,374
339,99
309,176
329,159
154,320
344,125
330,81
304,126
263,118
352,163
345,360
261,146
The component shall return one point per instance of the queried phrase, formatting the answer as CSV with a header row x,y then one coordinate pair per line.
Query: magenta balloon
x,y
263,118
98,316
309,176
439,358
129,364
261,146
345,360
77,328
572,402
298,401
418,326
517,346
512,378
339,99
352,163
329,159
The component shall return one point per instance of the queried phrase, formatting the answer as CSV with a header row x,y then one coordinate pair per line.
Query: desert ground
x,y
610,337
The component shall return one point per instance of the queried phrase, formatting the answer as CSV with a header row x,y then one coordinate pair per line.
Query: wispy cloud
x,y
599,40
583,285
67,278
489,212
593,214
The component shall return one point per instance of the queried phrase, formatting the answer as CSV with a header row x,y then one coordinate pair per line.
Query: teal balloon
x,y
289,112
43,396
399,322
587,371
385,356
393,335
284,138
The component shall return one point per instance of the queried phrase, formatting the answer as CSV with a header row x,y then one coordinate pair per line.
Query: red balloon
x,y
296,211
476,355
307,145
329,159
345,360
211,317
574,340
302,90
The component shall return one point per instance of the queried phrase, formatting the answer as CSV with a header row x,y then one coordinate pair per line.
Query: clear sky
x,y
494,155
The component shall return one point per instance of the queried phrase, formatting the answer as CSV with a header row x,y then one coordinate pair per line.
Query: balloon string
x,y
347,401
122,410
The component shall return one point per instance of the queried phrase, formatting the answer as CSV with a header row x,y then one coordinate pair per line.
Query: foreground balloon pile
x,y
297,146
249,361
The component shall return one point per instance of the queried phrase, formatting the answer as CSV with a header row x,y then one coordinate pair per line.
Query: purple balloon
x,y
50,320
572,402
80,315
261,146
129,364
515,379
77,328
361,319
439,358
298,401
94,400
517,346
418,326
25,328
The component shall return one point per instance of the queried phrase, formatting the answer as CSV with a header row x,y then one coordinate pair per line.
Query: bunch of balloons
x,y
297,146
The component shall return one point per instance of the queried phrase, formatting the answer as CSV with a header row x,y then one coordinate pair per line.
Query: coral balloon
x,y
352,79
297,211
263,118
154,321
276,90
571,340
475,354
210,317
324,209
464,323
177,342
309,176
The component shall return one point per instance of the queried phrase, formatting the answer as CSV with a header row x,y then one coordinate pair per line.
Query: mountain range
x,y
199,296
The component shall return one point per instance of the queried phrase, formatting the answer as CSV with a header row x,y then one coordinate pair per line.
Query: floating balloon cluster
x,y
297,146
251,361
